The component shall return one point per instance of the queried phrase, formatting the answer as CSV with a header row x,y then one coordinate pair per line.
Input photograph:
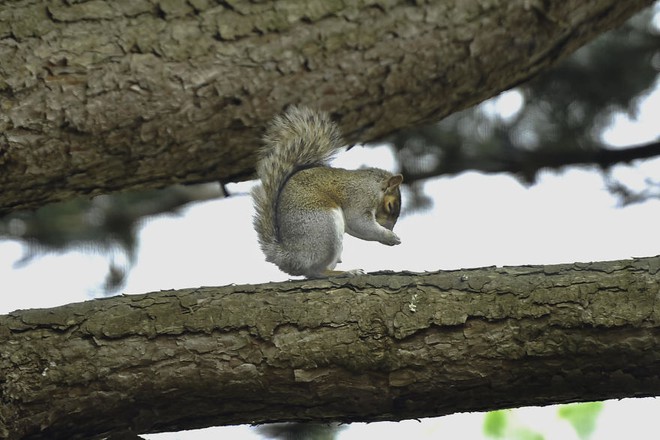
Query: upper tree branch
x,y
102,96
374,347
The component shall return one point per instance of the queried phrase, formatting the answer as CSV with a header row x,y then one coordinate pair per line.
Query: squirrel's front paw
x,y
391,239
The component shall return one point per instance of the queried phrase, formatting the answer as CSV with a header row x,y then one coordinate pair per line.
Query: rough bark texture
x,y
98,96
374,347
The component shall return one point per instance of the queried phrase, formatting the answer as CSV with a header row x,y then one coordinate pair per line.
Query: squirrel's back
x,y
298,139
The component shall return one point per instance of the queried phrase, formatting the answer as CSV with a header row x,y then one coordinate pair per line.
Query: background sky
x,y
476,220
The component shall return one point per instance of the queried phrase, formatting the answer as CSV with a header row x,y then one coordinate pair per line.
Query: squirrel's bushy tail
x,y
300,138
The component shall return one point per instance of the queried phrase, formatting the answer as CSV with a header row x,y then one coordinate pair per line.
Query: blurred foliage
x,y
501,426
561,117
582,416
560,120
627,195
104,224
495,423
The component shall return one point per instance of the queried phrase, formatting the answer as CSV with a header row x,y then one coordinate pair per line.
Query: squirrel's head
x,y
389,207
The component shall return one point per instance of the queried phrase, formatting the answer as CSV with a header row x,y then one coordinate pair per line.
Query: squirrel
x,y
303,206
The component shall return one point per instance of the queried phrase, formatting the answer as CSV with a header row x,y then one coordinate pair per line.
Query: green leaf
x,y
582,416
526,434
495,423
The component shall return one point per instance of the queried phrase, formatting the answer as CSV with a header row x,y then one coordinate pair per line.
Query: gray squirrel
x,y
304,206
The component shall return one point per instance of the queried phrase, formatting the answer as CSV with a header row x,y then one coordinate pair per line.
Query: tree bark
x,y
386,346
98,96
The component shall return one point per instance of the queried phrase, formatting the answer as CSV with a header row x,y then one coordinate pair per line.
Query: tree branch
x,y
528,163
385,346
104,96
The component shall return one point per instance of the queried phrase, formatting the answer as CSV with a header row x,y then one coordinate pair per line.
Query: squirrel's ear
x,y
395,180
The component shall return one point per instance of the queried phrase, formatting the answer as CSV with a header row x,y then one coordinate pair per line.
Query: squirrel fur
x,y
304,206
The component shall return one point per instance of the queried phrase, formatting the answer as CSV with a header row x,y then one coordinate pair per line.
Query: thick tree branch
x,y
375,347
100,96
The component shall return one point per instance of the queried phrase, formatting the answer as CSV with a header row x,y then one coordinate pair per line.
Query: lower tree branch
x,y
384,346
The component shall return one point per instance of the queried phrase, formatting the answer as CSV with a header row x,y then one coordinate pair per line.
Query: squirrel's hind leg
x,y
342,273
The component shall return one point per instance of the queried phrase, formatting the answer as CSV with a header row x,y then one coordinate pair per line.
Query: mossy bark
x,y
384,346
99,96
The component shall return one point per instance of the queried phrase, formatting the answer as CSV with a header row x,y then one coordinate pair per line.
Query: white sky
x,y
476,220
